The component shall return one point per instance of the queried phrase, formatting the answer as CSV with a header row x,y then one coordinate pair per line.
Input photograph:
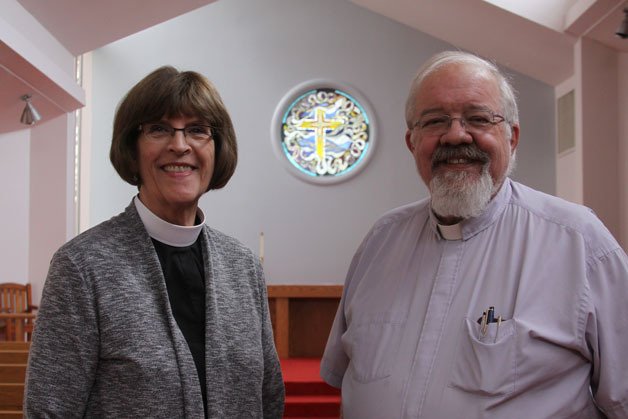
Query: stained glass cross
x,y
320,126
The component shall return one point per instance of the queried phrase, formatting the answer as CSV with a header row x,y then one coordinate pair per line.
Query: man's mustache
x,y
463,151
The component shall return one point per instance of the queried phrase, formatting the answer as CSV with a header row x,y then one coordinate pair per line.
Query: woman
x,y
153,313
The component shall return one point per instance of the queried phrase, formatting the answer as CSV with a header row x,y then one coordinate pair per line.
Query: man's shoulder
x,y
549,206
401,214
552,209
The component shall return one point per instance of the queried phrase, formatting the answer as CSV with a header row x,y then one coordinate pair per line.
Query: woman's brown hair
x,y
167,92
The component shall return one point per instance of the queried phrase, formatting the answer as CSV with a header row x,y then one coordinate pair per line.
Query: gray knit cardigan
x,y
107,345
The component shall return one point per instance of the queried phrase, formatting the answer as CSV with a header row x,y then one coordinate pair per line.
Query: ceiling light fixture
x,y
29,115
622,31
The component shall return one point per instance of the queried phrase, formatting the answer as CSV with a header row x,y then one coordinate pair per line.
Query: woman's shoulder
x,y
114,234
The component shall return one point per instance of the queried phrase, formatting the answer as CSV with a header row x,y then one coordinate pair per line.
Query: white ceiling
x,y
536,40
497,28
496,25
82,26
547,13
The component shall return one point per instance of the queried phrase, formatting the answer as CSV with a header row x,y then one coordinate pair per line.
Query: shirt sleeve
x,y
335,360
64,351
605,332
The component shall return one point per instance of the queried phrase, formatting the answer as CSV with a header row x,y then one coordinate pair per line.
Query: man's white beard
x,y
461,194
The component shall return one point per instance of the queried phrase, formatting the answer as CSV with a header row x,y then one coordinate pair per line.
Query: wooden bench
x,y
17,326
13,360
12,373
17,312
11,414
13,356
11,345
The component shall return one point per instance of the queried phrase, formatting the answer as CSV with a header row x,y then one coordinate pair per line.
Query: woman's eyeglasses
x,y
163,132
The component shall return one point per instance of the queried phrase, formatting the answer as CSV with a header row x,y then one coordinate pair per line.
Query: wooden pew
x,y
13,356
17,326
11,345
11,399
12,373
11,396
13,359
11,414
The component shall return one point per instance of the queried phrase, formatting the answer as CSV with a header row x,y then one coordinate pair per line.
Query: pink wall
x,y
622,88
600,124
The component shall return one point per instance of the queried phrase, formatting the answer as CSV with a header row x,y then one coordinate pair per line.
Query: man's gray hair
x,y
508,97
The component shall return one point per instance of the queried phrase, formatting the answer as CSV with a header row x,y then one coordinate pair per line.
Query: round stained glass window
x,y
323,132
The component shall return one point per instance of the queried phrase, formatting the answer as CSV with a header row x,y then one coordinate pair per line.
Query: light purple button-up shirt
x,y
406,342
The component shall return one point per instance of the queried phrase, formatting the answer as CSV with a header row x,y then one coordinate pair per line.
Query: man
x,y
488,299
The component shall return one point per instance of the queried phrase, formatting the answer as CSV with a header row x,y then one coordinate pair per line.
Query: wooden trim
x,y
302,316
282,327
304,291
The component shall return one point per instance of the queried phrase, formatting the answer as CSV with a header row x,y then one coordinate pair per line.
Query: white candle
x,y
261,247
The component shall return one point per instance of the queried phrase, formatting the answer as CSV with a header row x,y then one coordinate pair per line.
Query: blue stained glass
x,y
325,133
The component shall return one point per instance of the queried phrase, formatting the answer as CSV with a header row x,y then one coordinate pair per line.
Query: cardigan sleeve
x,y
273,392
64,351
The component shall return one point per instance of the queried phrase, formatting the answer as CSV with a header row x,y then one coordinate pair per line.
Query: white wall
x,y
36,206
255,52
52,216
36,212
14,204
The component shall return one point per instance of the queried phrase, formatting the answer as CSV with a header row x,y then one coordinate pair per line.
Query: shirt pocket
x,y
486,365
372,343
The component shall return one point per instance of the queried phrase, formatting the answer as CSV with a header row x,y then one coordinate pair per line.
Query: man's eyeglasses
x,y
476,122
157,131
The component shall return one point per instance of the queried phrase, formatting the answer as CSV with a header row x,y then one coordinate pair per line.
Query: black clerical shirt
x,y
185,281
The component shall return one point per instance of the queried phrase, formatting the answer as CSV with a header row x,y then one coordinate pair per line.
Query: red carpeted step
x,y
310,388
301,369
311,406
307,395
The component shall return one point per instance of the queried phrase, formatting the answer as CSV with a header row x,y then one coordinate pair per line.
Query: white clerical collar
x,y
163,231
452,232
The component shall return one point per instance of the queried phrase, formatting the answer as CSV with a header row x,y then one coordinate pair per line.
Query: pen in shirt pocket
x,y
488,317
